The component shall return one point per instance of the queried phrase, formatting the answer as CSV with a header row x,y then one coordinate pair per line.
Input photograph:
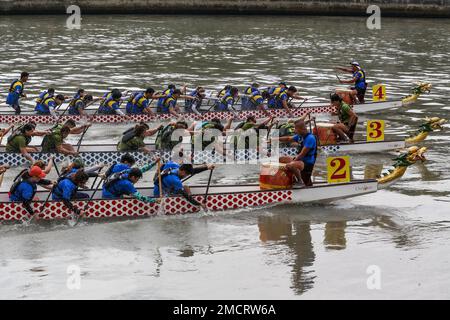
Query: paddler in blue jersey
x,y
49,105
16,92
111,103
302,164
66,189
121,184
248,92
126,162
256,101
358,79
172,175
193,105
139,102
50,92
227,102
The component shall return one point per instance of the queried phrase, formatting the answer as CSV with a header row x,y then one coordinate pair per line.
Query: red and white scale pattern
x,y
242,115
13,211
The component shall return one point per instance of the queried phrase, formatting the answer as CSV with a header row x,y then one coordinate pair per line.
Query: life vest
x,y
138,101
163,140
44,95
16,184
14,84
74,100
128,135
286,129
18,132
222,93
165,172
361,83
73,104
256,95
166,103
167,93
44,106
57,189
112,179
48,139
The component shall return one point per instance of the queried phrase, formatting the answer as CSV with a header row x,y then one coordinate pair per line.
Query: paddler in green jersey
x,y
205,133
19,140
250,123
345,128
133,139
54,142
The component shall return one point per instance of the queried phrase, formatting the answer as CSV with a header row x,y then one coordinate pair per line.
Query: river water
x,y
391,244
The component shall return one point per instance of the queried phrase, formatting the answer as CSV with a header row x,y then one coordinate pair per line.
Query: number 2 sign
x,y
379,92
375,130
338,169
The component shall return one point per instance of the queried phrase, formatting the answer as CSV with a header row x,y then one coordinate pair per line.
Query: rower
x,y
256,101
78,106
358,79
139,102
228,100
54,142
194,104
49,105
25,186
248,124
121,184
19,140
224,91
78,165
301,165
133,139
348,119
66,189
78,95
164,139
169,104
172,175
275,91
126,162
281,100
248,93
163,95
16,92
111,103
50,92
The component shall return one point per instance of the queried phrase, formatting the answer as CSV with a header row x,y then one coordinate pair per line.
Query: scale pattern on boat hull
x,y
13,211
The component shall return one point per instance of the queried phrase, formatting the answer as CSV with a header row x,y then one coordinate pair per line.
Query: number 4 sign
x,y
375,130
338,169
379,92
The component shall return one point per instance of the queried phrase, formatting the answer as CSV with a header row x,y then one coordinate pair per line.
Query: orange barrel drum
x,y
275,176
325,134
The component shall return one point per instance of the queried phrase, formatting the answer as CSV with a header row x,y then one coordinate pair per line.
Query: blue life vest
x,y
361,82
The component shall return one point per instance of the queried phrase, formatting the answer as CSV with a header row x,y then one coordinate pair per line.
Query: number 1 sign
x,y
338,169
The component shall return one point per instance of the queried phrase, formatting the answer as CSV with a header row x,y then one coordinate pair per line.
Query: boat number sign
x,y
379,92
375,130
338,169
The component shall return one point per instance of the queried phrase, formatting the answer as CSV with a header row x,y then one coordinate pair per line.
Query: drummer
x,y
358,80
345,128
302,164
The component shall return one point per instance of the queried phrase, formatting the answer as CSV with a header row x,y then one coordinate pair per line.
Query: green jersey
x,y
344,113
134,144
17,143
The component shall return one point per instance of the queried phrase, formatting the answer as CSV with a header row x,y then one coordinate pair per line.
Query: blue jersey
x,y
46,105
109,106
171,182
119,188
226,102
309,141
118,167
65,189
139,103
74,108
25,191
167,93
360,77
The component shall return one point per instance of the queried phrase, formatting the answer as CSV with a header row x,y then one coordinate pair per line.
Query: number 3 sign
x,y
375,130
338,169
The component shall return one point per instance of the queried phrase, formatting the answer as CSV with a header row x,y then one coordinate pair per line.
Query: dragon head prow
x,y
435,122
415,154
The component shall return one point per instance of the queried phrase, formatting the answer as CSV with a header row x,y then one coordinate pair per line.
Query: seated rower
x,y
139,102
78,107
282,99
46,167
121,184
66,189
358,79
248,93
126,162
248,124
194,104
275,91
54,142
198,130
49,105
50,92
345,128
227,102
169,103
111,103
172,175
133,139
25,187
301,165
20,138
256,101
164,138
224,91
16,92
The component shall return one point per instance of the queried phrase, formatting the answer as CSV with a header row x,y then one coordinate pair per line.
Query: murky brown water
x,y
314,251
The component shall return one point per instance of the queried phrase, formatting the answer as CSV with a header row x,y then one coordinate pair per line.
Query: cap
x,y
354,63
35,171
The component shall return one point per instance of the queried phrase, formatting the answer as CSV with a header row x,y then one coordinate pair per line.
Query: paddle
x,y
299,106
81,138
205,201
161,204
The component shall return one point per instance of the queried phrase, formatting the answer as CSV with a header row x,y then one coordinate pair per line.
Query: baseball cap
x,y
35,171
354,63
